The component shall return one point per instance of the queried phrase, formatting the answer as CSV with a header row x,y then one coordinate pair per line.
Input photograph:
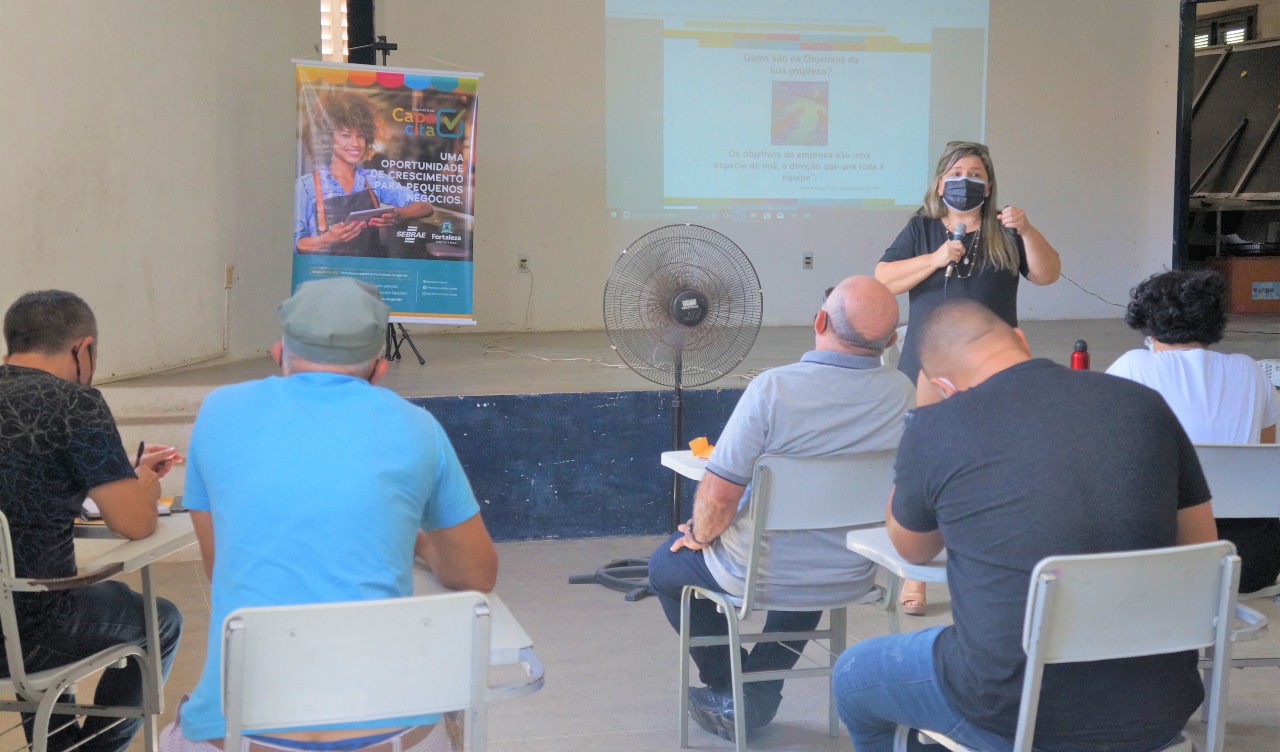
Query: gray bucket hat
x,y
339,321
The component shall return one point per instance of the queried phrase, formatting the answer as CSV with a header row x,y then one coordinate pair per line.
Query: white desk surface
x,y
685,463
98,547
874,544
509,644
506,637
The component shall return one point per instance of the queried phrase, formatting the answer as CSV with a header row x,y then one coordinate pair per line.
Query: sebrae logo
x,y
410,234
443,122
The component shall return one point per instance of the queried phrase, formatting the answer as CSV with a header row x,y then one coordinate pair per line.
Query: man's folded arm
x,y
202,523
462,556
128,505
1196,525
715,503
916,548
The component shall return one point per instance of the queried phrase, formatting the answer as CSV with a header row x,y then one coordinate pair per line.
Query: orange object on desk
x,y
701,448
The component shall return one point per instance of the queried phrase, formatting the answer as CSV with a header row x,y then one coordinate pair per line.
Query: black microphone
x,y
957,233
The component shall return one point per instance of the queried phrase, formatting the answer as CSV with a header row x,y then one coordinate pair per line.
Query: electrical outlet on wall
x,y
807,263
522,263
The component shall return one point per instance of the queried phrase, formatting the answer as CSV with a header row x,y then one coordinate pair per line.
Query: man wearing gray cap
x,y
318,486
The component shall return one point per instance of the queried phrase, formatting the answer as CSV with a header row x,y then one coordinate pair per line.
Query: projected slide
x,y
723,108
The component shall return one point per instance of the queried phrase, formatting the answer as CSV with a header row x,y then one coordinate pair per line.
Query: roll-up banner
x,y
386,176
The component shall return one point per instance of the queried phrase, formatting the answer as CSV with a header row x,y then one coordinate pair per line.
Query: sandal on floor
x,y
911,600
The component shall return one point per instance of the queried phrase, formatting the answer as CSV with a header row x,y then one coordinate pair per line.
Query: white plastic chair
x,y
1101,607
38,692
1244,481
791,493
301,667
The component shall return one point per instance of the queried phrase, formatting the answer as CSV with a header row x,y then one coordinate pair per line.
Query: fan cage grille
x,y
637,305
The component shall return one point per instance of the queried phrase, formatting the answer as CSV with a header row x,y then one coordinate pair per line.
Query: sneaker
x,y
713,711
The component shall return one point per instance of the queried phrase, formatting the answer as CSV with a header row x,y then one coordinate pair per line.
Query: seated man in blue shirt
x,y
1021,460
319,487
838,399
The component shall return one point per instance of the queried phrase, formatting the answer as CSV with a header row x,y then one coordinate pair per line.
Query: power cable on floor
x,y
1117,305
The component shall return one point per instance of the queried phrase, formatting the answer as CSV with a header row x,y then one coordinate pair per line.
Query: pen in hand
x,y
138,461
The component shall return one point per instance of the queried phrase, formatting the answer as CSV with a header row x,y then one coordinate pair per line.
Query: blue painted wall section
x,y
575,465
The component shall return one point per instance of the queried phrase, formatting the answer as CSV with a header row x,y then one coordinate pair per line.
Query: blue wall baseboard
x,y
575,465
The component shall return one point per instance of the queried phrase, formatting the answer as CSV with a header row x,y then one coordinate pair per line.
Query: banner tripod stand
x,y
394,341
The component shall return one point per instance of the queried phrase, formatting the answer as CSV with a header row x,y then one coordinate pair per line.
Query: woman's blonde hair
x,y
998,247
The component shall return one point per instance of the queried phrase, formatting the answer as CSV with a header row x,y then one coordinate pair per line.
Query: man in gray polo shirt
x,y
837,400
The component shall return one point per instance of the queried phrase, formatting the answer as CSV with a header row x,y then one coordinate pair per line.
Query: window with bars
x,y
1229,27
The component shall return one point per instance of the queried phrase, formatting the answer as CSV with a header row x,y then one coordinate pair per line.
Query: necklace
x,y
966,266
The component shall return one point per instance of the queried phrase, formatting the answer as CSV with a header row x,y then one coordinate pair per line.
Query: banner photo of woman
x,y
385,179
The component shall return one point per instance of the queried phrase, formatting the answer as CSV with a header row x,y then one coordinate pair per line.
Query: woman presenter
x,y
960,244
960,226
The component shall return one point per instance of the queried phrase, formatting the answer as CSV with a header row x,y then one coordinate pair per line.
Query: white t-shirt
x,y
1219,398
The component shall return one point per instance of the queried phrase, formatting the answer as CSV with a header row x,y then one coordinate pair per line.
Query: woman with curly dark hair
x,y
339,133
1220,398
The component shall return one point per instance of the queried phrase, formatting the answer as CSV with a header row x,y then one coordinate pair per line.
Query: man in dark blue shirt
x,y
1020,460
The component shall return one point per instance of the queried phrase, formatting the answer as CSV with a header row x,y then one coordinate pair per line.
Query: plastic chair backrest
x,y
817,493
1130,603
313,665
1244,479
822,492
1118,605
8,612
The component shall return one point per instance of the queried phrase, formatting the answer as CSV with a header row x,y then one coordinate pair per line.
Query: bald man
x,y
837,400
1018,459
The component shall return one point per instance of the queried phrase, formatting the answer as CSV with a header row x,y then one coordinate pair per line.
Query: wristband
x,y
693,537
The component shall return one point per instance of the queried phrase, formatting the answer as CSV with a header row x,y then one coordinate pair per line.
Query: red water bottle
x,y
1080,356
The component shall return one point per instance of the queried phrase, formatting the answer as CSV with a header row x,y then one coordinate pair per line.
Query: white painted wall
x,y
1080,123
1081,120
147,145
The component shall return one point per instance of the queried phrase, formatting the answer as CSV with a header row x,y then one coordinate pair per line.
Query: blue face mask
x,y
963,194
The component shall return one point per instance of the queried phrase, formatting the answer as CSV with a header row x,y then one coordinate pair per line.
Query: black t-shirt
x,y
994,288
1039,461
57,440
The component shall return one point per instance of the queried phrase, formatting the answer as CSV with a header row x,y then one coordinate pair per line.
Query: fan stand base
x,y
630,576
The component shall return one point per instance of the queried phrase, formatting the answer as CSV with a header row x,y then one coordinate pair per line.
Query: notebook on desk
x,y
93,516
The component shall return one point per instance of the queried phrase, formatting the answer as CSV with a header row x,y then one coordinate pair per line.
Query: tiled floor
x,y
611,665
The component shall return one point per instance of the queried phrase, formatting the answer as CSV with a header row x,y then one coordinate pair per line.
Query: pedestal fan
x,y
682,306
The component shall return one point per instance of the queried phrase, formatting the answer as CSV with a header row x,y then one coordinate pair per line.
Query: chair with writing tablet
x,y
792,493
309,666
38,692
1244,481
1100,607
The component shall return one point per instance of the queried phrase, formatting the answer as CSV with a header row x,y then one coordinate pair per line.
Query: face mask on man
x,y
963,194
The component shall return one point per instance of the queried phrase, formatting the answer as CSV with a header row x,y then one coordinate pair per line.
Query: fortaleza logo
x,y
412,234
445,123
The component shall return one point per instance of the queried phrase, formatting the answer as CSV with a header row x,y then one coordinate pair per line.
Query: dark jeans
x,y
670,572
891,681
104,615
1258,545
